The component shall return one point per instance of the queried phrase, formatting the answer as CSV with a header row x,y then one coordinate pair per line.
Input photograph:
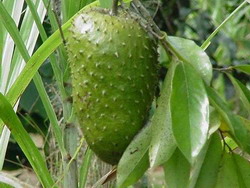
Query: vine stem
x,y
115,7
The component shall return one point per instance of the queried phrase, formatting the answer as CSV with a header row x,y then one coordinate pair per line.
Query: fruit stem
x,y
155,30
114,11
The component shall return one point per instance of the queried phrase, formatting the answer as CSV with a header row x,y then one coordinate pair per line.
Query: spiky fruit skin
x,y
114,73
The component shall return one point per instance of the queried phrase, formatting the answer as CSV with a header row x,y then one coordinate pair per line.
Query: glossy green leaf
x,y
242,91
23,139
237,128
210,168
243,68
189,111
163,144
196,167
135,160
228,176
214,121
243,169
194,55
234,172
177,171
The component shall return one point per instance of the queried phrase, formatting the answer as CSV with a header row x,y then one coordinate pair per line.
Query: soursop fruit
x,y
113,63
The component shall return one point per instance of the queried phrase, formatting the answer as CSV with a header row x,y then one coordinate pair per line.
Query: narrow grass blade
x,y
23,139
208,40
37,59
15,9
13,30
85,168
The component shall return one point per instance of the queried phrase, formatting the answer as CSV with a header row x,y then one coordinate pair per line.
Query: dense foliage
x,y
198,130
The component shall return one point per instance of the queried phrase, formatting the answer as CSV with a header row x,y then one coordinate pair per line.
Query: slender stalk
x,y
115,7
85,168
154,29
70,141
207,42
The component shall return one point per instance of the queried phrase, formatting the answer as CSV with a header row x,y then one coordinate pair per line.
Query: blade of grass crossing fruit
x,y
38,58
24,141
36,61
55,67
85,2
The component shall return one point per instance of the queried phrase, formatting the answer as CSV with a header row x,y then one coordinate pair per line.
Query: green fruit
x,y
114,73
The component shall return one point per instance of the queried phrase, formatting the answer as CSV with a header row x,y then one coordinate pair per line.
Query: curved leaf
x,y
23,139
134,161
177,171
243,68
37,59
194,55
189,111
214,121
163,144
210,168
242,91
227,176
234,172
243,169
238,130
